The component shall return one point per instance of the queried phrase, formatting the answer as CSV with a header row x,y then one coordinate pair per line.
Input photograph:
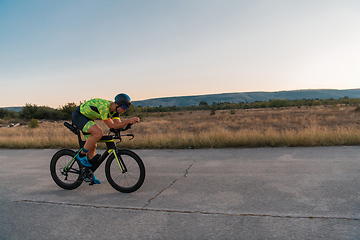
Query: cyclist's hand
x,y
134,120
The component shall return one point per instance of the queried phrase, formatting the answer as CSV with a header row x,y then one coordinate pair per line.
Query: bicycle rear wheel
x,y
133,174
65,172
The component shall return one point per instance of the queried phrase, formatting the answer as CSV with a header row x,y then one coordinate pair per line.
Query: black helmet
x,y
123,101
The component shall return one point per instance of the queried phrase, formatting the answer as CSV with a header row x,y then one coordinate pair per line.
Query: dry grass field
x,y
292,127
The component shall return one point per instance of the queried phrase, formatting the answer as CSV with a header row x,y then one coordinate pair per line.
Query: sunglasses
x,y
125,107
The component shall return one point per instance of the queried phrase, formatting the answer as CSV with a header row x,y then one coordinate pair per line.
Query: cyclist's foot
x,y
96,181
83,161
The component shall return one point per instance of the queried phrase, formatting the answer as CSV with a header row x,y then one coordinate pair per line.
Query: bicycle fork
x,y
119,160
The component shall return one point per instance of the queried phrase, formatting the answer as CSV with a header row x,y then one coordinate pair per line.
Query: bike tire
x,y
129,181
68,180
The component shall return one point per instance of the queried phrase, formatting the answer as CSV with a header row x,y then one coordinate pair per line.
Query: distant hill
x,y
241,97
15,109
248,97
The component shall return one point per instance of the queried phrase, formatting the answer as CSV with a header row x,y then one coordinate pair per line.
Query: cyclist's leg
x,y
91,152
81,122
90,144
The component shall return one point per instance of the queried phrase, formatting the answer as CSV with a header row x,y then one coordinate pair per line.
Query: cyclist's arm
x,y
116,123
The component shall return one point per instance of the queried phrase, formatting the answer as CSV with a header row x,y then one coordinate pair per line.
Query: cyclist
x,y
83,117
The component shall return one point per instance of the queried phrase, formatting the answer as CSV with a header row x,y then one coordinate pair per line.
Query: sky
x,y
57,52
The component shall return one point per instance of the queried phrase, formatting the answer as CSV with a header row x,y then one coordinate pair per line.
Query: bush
x,y
32,111
33,123
5,113
67,110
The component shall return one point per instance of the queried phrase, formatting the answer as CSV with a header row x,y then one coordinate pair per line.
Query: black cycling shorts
x,y
78,119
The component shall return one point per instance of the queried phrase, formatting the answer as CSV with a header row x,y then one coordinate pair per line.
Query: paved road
x,y
266,193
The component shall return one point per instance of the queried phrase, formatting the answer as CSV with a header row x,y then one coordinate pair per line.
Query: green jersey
x,y
98,108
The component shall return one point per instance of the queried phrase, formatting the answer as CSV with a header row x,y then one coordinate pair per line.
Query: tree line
x,y
32,111
272,103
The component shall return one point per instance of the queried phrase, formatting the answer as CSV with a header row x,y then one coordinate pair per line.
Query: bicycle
x,y
124,169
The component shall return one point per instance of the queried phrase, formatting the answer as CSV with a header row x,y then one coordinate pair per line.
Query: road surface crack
x,y
184,176
188,212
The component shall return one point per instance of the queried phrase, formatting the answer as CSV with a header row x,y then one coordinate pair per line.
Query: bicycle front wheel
x,y
125,172
65,170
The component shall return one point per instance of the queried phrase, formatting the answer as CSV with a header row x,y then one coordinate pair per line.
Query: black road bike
x,y
124,169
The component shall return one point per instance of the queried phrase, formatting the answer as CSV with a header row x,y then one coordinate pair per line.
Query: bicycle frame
x,y
98,159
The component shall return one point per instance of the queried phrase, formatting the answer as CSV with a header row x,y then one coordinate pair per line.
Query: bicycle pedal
x,y
91,183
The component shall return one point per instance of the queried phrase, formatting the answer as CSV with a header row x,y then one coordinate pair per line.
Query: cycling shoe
x,y
83,161
96,181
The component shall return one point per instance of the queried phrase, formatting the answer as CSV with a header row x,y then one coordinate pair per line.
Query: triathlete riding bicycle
x,y
109,112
